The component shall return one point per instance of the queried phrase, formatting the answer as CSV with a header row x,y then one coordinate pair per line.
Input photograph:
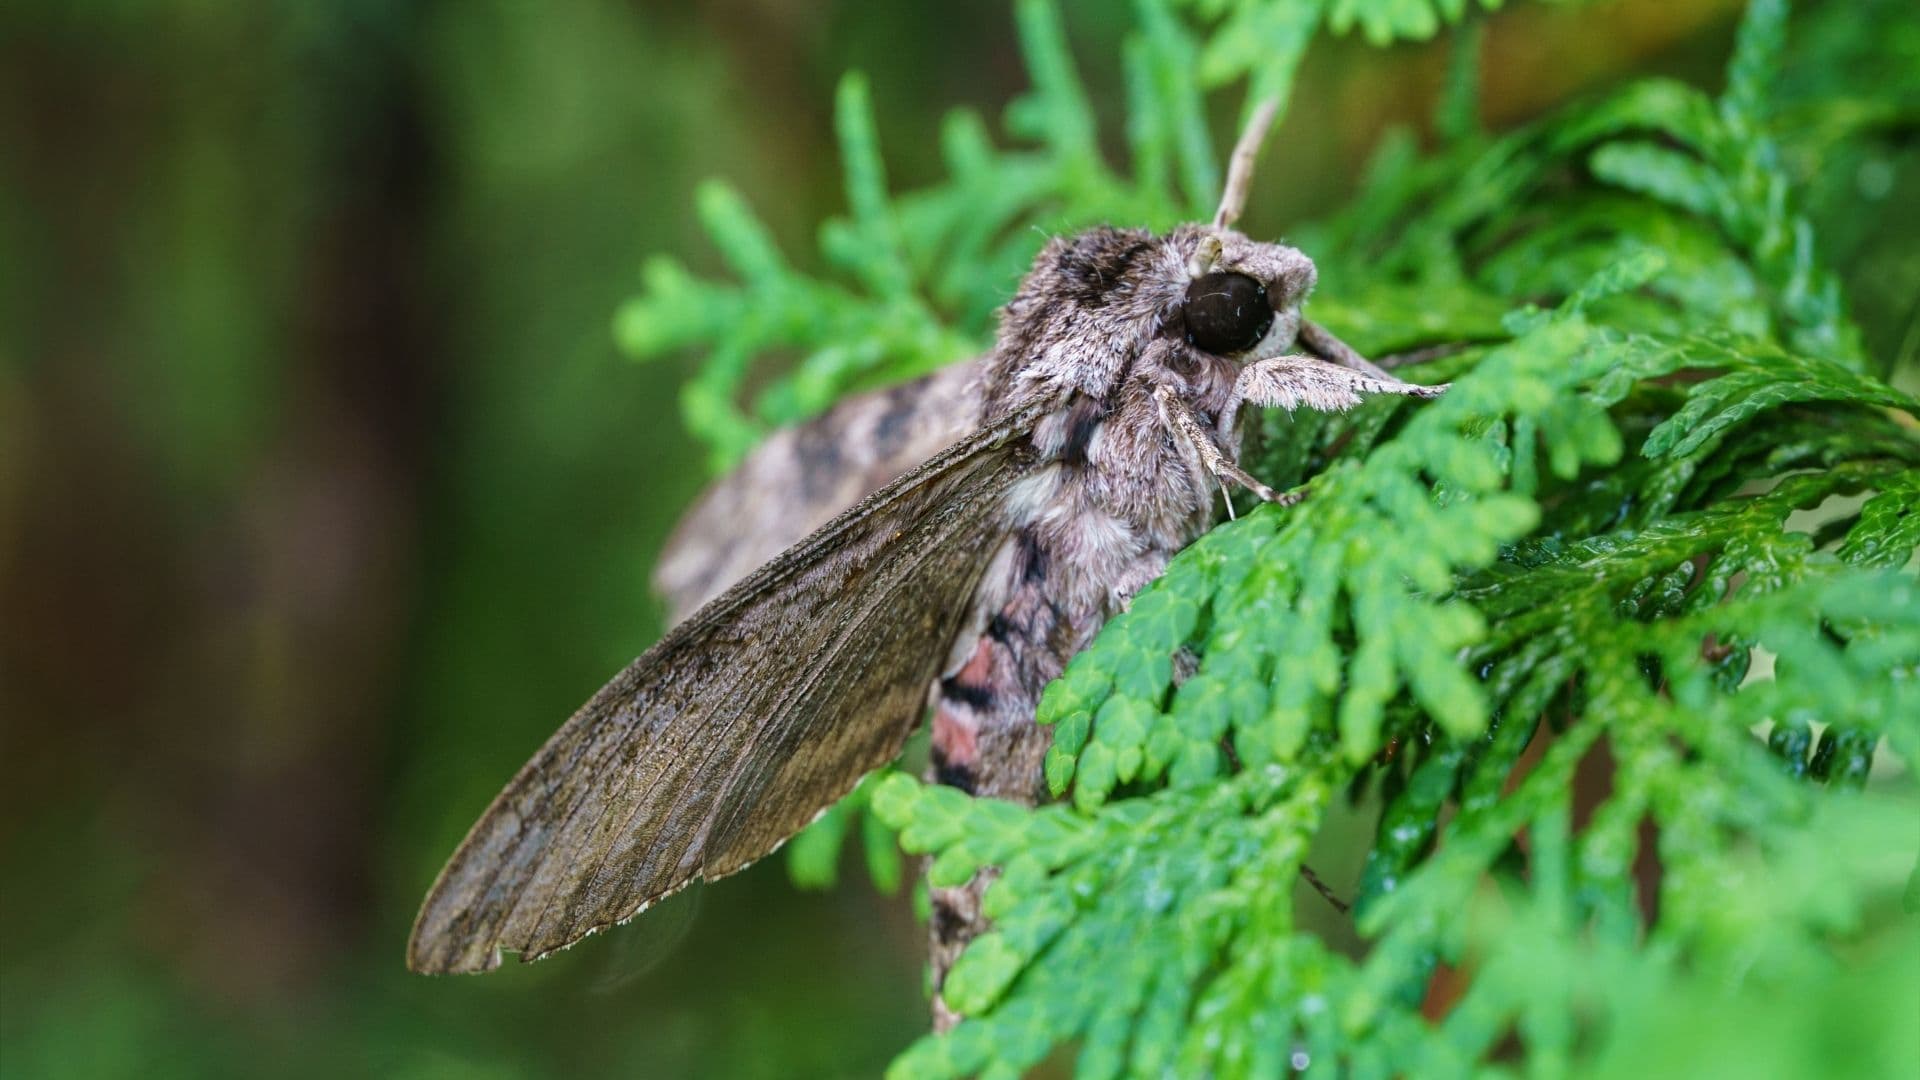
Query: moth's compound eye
x,y
1227,313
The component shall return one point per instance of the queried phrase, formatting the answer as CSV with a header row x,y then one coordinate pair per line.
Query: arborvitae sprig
x,y
1663,512
1263,41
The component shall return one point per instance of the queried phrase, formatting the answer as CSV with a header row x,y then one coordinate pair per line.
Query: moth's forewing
x,y
800,477
735,730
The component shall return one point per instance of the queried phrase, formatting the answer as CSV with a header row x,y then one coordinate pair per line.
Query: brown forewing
x,y
739,727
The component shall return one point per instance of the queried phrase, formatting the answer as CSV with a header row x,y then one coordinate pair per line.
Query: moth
x,y
942,546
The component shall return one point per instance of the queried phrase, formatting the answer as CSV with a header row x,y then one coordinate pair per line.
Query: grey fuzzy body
x,y
1093,334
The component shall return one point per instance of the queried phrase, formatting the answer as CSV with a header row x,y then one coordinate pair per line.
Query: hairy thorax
x,y
1118,493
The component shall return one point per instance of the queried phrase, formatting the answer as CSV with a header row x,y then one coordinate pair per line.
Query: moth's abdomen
x,y
1089,532
984,739
1090,528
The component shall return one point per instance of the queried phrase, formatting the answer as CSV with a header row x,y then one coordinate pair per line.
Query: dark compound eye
x,y
1227,313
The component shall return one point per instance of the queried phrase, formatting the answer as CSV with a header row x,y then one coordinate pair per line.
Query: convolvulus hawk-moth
x,y
1000,512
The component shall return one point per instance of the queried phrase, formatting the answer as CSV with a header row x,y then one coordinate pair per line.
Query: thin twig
x,y
1320,887
1422,355
1240,167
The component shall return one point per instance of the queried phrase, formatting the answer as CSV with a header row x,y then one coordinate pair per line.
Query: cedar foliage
x,y
1668,510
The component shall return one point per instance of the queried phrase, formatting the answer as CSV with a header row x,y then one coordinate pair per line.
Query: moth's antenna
x,y
1240,167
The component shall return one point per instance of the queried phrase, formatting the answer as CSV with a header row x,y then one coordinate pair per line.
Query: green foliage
x,y
813,857
1664,508
1264,40
915,281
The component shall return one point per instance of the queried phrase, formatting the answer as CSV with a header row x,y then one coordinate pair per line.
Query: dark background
x,y
325,494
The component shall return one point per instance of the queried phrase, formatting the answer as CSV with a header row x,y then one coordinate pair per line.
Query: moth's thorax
x,y
1096,328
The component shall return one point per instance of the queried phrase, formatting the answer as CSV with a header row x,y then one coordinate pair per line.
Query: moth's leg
x,y
1215,459
1293,382
1321,342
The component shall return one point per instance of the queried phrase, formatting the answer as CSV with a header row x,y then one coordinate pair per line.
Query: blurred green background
x,y
325,495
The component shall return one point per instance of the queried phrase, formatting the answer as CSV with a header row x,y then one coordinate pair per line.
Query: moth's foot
x,y
1265,493
1225,468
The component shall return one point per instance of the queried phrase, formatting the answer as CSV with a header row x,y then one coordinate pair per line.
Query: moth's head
x,y
1242,298
1237,298
1204,298
1193,297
